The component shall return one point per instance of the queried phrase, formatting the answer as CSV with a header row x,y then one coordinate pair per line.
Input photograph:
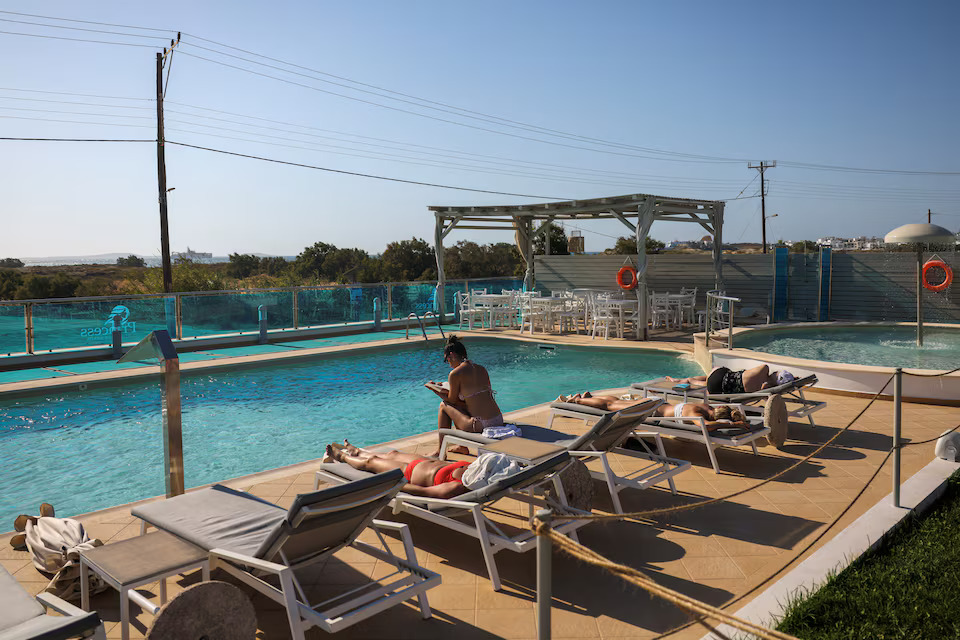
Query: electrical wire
x,y
71,140
36,35
83,95
101,124
101,24
57,26
364,175
76,113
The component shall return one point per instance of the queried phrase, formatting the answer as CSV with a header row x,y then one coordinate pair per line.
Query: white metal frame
x,y
64,608
492,537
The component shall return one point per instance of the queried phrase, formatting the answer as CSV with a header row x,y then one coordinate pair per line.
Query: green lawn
x,y
909,588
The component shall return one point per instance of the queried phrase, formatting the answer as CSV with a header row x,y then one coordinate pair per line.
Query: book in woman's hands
x,y
440,388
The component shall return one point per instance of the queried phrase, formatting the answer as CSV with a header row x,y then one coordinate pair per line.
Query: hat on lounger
x,y
715,379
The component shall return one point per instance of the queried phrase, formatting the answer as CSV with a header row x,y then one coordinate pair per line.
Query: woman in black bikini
x,y
425,477
724,380
468,403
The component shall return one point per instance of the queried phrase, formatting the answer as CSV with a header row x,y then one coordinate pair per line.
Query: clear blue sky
x,y
863,85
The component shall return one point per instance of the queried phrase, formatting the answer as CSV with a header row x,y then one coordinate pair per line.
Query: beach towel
x,y
55,544
505,431
487,469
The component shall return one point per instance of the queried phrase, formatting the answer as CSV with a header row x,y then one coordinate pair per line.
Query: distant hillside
x,y
111,258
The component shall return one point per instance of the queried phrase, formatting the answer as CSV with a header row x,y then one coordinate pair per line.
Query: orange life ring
x,y
930,264
633,278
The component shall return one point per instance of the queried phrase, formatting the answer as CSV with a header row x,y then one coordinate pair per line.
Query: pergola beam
x,y
645,208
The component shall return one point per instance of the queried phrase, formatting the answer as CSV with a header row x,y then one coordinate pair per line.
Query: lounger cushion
x,y
216,518
47,627
487,493
579,408
16,605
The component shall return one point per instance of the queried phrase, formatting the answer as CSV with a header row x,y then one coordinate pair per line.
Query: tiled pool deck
x,y
723,554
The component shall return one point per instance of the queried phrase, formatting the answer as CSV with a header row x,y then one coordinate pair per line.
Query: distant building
x,y
863,243
195,256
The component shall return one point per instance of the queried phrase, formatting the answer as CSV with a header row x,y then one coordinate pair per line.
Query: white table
x,y
490,301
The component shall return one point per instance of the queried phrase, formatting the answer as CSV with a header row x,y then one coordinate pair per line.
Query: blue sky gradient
x,y
862,85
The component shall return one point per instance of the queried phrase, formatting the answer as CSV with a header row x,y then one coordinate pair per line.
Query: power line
x,y
101,124
364,175
121,44
102,24
58,26
71,140
830,167
83,95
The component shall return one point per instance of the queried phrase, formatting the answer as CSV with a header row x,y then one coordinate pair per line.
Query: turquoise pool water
x,y
83,451
876,346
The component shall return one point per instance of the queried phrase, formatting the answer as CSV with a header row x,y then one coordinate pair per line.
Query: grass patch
x,y
907,588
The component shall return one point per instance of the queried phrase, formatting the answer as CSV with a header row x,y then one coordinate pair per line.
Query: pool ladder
x,y
422,327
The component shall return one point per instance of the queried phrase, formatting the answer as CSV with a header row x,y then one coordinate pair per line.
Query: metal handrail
x,y
714,301
422,328
439,322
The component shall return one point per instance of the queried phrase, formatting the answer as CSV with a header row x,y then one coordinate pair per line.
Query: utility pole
x,y
162,174
928,216
763,199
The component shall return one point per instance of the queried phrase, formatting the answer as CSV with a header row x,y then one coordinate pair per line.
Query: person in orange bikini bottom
x,y
425,476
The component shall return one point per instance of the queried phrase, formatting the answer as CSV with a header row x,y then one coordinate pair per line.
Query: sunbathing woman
x,y
723,380
425,477
468,404
719,417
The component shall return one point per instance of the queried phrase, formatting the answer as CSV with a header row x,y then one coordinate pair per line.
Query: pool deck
x,y
723,554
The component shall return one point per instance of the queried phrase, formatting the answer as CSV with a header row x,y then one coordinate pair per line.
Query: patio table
x,y
489,301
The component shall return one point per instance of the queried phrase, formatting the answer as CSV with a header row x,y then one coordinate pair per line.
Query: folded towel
x,y
501,432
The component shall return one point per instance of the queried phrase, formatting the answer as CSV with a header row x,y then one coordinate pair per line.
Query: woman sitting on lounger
x,y
426,477
724,380
468,403
719,417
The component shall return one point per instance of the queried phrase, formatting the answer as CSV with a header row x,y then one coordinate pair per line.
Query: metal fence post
x,y
28,326
544,577
376,314
389,302
262,322
179,303
296,308
117,337
897,397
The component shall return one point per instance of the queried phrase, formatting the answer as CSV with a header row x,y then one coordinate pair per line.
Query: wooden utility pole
x,y
162,183
763,197
928,217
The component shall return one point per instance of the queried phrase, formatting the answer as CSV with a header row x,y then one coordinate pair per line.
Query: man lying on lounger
x,y
719,417
426,477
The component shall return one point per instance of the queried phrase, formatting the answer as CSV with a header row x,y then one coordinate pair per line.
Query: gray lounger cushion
x,y
579,408
216,518
21,616
479,496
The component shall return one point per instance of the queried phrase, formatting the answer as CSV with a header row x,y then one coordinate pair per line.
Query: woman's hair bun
x,y
453,340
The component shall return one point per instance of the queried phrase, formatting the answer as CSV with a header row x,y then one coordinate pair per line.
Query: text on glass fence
x,y
126,325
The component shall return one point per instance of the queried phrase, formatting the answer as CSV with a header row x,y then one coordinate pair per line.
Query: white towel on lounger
x,y
501,432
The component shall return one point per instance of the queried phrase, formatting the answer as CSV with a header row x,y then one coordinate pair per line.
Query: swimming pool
x,y
883,346
83,451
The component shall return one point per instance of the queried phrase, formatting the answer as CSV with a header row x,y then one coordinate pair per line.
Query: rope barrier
x,y
696,505
638,578
929,440
931,375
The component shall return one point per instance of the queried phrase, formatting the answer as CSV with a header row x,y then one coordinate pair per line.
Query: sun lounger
x,y
606,436
251,538
798,406
493,536
24,618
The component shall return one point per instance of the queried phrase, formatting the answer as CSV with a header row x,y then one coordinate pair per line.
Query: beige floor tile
x,y
701,569
508,623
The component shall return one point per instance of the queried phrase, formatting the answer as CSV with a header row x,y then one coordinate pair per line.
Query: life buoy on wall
x,y
627,286
948,275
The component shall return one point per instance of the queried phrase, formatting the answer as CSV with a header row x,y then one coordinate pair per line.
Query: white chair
x,y
531,314
606,316
469,313
661,313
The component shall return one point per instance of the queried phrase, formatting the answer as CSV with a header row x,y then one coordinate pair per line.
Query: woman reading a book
x,y
468,402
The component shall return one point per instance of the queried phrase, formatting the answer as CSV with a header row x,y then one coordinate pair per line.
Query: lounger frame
x,y
449,512
798,405
345,609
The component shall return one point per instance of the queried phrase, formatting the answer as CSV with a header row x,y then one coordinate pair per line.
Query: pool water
x,y
88,450
875,346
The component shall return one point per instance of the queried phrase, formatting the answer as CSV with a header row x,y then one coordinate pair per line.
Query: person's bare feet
x,y
350,449
330,454
459,449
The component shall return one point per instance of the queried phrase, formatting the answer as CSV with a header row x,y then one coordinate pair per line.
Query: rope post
x,y
897,398
544,575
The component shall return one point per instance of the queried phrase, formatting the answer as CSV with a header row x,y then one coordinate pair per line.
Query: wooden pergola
x,y
643,208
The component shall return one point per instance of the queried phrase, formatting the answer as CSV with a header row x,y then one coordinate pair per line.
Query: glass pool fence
x,y
34,326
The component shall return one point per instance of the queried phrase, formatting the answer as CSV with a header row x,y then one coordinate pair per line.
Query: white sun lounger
x,y
22,616
607,435
798,406
251,538
522,486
